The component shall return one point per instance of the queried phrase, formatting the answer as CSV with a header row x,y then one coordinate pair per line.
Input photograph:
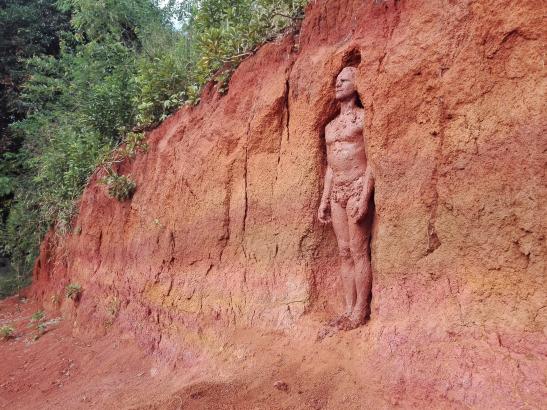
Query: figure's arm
x,y
328,185
369,184
368,189
323,213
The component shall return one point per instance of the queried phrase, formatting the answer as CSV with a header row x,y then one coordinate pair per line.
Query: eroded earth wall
x,y
222,229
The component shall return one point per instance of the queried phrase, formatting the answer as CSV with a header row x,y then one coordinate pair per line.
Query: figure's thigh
x,y
340,225
358,234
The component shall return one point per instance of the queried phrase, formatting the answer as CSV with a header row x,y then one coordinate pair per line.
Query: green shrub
x,y
120,187
225,32
133,144
161,83
73,291
7,332
12,283
38,324
37,316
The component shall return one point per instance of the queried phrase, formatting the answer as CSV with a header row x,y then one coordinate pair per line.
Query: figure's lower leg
x,y
363,284
348,282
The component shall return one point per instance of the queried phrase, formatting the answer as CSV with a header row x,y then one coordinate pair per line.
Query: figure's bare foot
x,y
332,326
355,320
337,320
351,323
326,331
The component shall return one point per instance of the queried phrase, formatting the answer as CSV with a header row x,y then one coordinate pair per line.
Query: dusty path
x,y
58,370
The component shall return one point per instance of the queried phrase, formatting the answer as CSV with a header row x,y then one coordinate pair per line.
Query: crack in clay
x,y
433,241
287,108
246,208
287,114
227,220
185,182
454,295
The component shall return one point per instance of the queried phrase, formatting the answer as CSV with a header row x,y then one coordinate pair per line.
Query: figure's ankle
x,y
360,310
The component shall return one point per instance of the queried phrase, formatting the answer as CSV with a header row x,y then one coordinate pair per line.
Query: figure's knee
x,y
358,249
359,252
344,251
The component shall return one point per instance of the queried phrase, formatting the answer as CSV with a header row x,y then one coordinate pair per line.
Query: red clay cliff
x,y
222,231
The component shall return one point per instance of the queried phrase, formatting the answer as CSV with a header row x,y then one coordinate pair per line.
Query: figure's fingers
x,y
359,215
322,218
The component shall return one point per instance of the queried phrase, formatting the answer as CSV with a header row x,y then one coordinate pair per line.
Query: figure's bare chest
x,y
344,128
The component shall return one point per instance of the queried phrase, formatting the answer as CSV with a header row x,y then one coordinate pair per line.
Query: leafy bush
x,y
12,283
7,332
161,83
133,144
38,323
73,291
226,32
120,187
37,316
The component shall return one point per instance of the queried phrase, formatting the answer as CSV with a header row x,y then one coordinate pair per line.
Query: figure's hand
x,y
360,211
323,214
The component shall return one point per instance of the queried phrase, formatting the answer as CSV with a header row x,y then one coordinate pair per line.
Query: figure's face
x,y
345,84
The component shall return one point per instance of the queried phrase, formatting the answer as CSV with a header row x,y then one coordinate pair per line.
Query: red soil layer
x,y
222,234
59,370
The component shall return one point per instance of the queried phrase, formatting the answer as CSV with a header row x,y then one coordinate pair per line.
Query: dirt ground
x,y
253,371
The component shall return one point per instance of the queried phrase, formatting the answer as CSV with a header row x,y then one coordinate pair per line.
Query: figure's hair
x,y
352,70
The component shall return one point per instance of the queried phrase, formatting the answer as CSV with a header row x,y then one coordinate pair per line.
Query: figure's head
x,y
345,83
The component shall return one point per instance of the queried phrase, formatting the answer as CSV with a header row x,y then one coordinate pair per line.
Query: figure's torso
x,y
345,146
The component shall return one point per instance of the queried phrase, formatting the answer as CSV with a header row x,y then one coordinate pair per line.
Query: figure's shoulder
x,y
360,114
331,123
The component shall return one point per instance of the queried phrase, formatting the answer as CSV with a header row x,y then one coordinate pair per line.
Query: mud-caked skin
x,y
346,195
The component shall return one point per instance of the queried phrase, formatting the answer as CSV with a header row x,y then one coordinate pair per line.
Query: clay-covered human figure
x,y
345,201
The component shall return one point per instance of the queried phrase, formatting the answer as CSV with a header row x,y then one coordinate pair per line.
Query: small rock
x,y
197,395
281,385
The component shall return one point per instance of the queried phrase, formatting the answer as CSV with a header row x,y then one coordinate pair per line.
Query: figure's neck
x,y
347,106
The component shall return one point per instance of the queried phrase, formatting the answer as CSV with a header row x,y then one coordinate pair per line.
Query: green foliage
x,y
218,34
73,291
225,32
41,328
81,89
37,316
27,28
101,87
12,283
133,143
120,187
7,332
37,321
160,82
